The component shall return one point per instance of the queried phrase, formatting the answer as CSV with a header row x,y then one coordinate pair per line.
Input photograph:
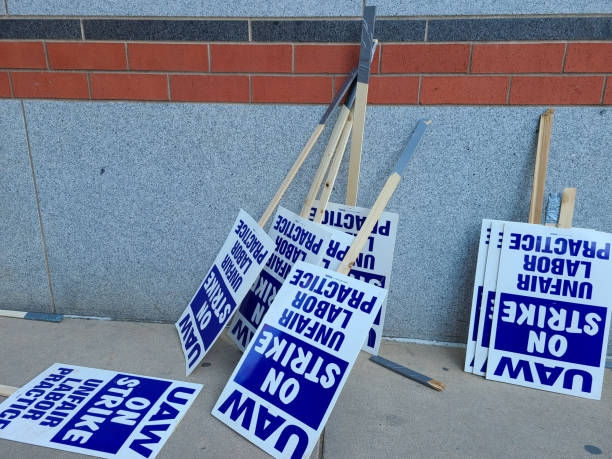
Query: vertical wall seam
x,y
509,88
380,51
82,29
292,57
250,89
564,58
40,222
426,29
603,90
169,90
419,91
250,30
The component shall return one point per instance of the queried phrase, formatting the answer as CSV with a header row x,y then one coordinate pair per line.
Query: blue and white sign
x,y
483,246
487,301
244,253
375,261
552,309
291,374
97,412
295,238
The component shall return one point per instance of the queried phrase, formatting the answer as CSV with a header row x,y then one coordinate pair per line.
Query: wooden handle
x,y
367,227
333,172
325,159
352,185
566,214
294,169
7,391
541,163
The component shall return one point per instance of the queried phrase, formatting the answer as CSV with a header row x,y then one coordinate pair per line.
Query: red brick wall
x,y
540,73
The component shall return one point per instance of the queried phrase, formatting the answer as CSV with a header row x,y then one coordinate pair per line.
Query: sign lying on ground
x,y
487,301
375,262
483,245
552,309
295,238
283,389
245,251
97,412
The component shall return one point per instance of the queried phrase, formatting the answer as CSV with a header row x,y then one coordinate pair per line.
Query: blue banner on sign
x,y
106,421
211,306
488,319
295,376
555,330
257,302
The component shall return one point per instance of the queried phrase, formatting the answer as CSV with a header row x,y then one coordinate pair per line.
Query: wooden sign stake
x,y
363,78
541,163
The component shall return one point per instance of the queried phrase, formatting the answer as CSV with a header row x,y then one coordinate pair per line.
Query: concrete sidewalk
x,y
379,414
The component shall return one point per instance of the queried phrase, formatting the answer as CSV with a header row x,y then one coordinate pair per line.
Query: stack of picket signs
x,y
299,317
541,307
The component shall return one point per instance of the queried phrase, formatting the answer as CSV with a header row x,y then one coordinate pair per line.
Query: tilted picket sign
x,y
240,261
289,248
96,412
283,389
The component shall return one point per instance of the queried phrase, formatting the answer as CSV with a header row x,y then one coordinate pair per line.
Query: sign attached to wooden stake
x,y
483,246
96,412
295,238
375,262
552,309
288,379
245,251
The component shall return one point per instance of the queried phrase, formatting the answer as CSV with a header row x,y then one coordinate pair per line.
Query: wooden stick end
x,y
437,385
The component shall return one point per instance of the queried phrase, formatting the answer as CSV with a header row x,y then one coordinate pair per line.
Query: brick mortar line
x,y
305,43
46,51
419,90
127,57
564,58
293,74
290,103
509,89
89,85
209,58
250,30
250,89
40,220
469,69
426,30
315,18
169,87
10,78
603,90
82,29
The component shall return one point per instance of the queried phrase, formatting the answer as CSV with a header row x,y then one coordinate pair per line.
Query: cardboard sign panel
x,y
552,309
375,262
295,238
288,379
483,246
244,253
488,298
97,412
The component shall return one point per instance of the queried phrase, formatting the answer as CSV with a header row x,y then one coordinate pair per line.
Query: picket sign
x,y
96,412
283,389
295,238
477,295
551,318
481,313
245,252
361,98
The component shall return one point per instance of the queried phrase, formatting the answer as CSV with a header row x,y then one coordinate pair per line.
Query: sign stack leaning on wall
x,y
540,313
